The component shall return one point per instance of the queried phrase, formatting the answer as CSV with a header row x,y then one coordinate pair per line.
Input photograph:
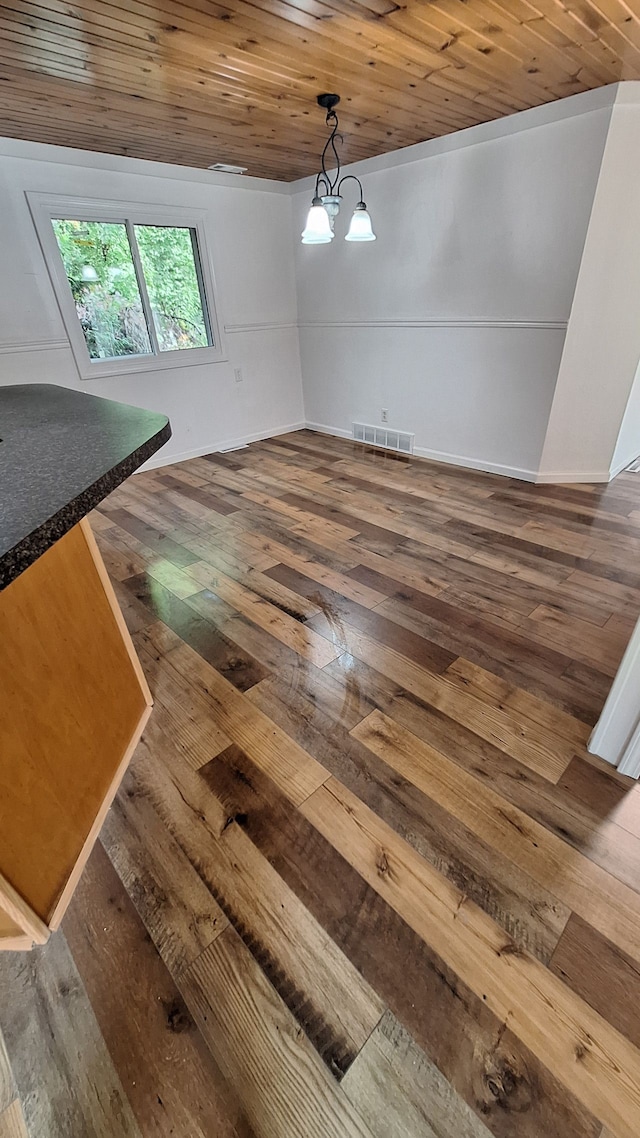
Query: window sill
x,y
138,365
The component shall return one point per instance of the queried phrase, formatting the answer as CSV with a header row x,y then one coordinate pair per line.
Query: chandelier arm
x,y
346,179
322,178
331,117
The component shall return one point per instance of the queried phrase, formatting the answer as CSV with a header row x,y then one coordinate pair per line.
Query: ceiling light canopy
x,y
325,207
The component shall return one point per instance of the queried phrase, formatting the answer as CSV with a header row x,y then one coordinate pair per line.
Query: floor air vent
x,y
383,437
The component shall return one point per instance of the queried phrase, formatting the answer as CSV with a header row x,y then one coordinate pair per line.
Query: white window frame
x,y
46,207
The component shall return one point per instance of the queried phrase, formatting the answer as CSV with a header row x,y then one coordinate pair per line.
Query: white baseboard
x,y
443,456
567,477
161,459
477,464
324,430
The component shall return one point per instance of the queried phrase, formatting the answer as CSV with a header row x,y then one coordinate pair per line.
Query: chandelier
x,y
325,207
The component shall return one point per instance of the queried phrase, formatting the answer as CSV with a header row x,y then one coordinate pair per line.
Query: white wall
x,y
602,347
249,234
455,318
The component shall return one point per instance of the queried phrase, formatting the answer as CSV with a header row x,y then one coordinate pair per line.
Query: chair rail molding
x,y
11,347
560,325
267,326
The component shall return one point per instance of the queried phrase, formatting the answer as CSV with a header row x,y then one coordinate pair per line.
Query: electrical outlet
x,y
237,373
384,415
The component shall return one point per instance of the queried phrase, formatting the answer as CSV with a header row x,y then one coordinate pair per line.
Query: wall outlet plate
x,y
384,415
237,374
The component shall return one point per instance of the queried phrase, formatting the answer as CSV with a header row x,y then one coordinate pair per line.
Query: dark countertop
x,y
61,453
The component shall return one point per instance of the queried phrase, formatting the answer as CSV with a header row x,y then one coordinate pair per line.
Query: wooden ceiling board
x,y
199,82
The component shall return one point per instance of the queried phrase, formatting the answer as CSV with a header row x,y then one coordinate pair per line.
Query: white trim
x,y
616,470
477,464
435,323
614,735
213,448
267,326
630,762
44,207
324,430
562,477
33,346
441,456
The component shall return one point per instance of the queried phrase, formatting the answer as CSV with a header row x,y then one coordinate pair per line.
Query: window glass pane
x,y
171,266
99,266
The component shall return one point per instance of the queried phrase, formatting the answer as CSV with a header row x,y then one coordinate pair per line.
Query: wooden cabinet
x,y
73,704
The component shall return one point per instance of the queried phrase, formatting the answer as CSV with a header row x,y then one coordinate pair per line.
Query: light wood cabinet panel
x,y
73,703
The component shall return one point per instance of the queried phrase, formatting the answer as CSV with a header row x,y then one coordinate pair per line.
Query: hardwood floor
x,y
362,879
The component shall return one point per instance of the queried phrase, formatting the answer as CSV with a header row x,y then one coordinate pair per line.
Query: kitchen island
x,y
73,697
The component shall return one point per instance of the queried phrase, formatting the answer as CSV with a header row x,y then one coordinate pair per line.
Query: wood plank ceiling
x,y
199,82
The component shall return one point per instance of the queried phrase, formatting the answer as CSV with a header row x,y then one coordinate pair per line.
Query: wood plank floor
x,y
363,879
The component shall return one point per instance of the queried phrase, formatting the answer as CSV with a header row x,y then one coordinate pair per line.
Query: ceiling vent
x,y
225,168
383,437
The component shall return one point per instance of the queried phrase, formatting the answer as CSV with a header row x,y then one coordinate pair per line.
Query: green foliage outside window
x,y
168,262
100,268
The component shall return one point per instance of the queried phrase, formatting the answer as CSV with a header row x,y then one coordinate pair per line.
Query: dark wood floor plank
x,y
520,990
291,767
377,537
576,517
342,583
490,880
497,641
63,1071
255,1039
605,798
260,584
398,1091
176,908
156,540
496,653
240,669
389,585
491,1070
268,526
502,728
170,1078
581,826
600,973
336,608
327,996
181,711
541,551
610,905
204,497
498,692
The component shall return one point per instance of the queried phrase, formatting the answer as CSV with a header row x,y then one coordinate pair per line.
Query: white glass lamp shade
x,y
318,230
89,273
360,227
